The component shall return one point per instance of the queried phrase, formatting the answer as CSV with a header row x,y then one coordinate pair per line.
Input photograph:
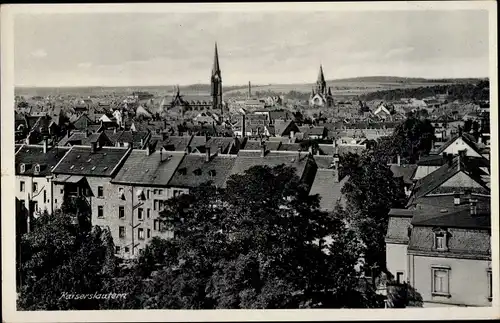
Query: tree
x,y
262,242
60,256
371,192
412,138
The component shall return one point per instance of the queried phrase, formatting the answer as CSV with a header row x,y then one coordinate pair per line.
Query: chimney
x,y
243,126
449,159
459,131
262,149
45,144
459,160
93,147
207,154
142,142
336,174
131,145
399,160
473,206
456,199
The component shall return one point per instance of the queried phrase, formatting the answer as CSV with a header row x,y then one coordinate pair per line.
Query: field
x,y
344,87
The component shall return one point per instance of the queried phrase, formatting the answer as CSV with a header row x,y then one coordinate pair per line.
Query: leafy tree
x,y
412,138
371,192
59,256
467,126
262,242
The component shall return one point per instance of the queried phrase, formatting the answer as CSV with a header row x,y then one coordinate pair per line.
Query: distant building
x,y
321,96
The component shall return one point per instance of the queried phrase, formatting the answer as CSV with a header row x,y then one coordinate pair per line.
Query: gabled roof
x,y
404,171
248,159
194,170
467,138
30,155
80,160
329,191
435,179
143,169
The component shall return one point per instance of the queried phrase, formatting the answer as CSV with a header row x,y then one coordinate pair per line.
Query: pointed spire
x,y
321,76
329,91
216,68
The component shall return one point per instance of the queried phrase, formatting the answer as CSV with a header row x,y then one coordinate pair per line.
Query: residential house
x,y
462,141
85,173
34,164
139,190
439,245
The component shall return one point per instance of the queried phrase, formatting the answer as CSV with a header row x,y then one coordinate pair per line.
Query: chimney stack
x,y
207,154
243,126
93,147
473,206
45,144
399,160
262,149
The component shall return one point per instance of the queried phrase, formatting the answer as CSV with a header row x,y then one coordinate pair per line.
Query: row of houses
x,y
126,188
440,243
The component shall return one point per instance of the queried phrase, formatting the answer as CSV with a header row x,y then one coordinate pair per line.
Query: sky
x,y
125,49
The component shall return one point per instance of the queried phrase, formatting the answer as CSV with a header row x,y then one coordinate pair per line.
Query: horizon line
x,y
258,84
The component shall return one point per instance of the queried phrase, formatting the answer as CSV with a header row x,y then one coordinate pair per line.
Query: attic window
x,y
197,171
105,167
37,168
78,156
440,240
183,171
93,167
22,168
88,161
72,166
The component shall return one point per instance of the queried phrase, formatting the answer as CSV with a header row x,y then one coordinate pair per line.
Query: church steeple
x,y
321,83
216,82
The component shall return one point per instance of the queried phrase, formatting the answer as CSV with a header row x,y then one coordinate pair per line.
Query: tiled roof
x,y
473,241
81,160
438,202
325,186
176,143
431,160
255,145
468,139
442,174
248,159
194,170
404,171
30,155
143,169
397,228
289,147
323,162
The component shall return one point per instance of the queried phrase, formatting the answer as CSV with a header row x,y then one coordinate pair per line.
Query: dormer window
x,y
197,171
440,240
22,168
37,168
183,171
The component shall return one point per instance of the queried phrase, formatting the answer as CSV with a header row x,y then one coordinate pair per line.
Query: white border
x,y
7,171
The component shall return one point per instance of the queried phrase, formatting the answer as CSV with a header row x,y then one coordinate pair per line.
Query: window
x,y
147,194
155,205
155,192
100,211
399,277
155,225
176,193
45,196
149,233
440,240
127,249
121,212
22,186
35,187
490,285
61,191
440,281
23,203
100,191
160,192
35,206
140,233
117,249
121,232
140,213
148,215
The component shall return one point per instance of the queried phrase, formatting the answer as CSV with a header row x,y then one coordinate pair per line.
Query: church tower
x,y
216,82
321,83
